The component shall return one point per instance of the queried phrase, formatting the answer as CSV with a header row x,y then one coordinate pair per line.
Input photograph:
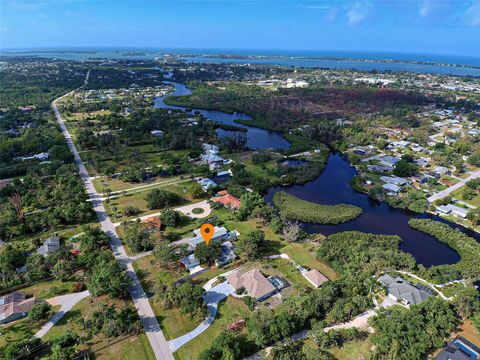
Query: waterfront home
x,y
401,290
210,149
14,306
315,277
459,349
227,200
392,188
253,282
207,183
49,246
453,209
394,180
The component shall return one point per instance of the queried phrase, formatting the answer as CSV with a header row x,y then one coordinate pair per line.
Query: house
x,y
227,200
227,255
255,284
206,183
212,160
315,277
421,162
152,223
394,180
459,349
453,209
14,306
440,170
223,176
190,262
210,149
379,169
392,188
219,234
401,290
389,161
49,246
157,133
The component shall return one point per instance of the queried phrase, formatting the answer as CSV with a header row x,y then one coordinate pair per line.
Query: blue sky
x,y
418,26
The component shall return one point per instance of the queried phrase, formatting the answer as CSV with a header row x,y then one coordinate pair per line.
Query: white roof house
x,y
453,209
219,234
206,183
392,188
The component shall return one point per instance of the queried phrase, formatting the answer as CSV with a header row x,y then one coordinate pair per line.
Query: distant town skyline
x,y
427,26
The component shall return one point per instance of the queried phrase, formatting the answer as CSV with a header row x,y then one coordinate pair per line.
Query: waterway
x,y
332,187
256,138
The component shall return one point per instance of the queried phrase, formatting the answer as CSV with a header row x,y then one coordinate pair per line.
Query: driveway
x,y
66,302
212,297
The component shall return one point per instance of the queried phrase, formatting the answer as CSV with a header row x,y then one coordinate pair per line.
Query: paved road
x,y
152,328
66,302
212,298
452,188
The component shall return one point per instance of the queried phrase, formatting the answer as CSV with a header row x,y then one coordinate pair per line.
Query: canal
x,y
332,187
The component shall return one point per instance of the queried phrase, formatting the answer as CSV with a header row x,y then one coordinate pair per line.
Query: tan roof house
x,y
14,306
253,281
315,277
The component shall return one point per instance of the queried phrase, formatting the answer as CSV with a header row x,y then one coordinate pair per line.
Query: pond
x,y
332,187
256,138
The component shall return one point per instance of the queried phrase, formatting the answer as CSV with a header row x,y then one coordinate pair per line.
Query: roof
x,y
315,277
190,261
256,285
403,290
459,349
218,234
153,221
392,187
227,199
50,245
14,303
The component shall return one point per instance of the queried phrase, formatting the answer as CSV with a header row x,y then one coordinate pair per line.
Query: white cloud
x,y
472,14
359,12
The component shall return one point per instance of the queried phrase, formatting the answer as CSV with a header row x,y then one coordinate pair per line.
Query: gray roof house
x,y
401,290
394,180
14,306
392,188
49,246
459,349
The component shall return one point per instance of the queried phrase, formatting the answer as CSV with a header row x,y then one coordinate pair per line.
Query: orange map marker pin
x,y
207,231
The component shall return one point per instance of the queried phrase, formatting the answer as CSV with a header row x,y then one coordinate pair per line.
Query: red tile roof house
x,y
14,306
253,281
227,200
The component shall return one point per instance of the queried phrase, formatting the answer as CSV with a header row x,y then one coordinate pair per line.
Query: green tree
x,y
93,238
159,199
207,254
108,277
195,190
137,238
171,217
62,270
39,311
249,201
252,244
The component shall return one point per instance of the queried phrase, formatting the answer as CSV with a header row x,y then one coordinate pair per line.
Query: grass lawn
x,y
353,350
131,348
149,273
49,289
173,322
84,115
138,200
457,194
228,311
118,185
304,254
